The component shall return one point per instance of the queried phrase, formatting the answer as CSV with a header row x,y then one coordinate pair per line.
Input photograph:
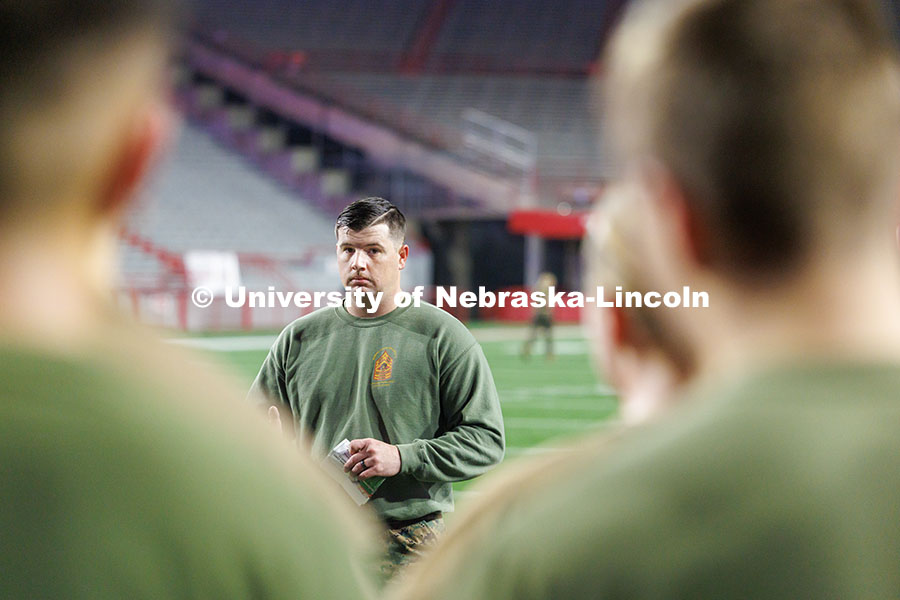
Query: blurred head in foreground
x,y
642,360
130,469
760,141
83,103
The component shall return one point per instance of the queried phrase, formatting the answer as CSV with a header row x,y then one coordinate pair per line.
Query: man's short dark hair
x,y
373,211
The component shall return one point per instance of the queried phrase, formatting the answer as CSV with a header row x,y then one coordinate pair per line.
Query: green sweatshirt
x,y
415,378
140,477
784,485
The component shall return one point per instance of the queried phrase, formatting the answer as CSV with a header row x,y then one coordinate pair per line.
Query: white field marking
x,y
516,451
560,347
541,401
465,495
520,333
238,343
537,400
526,394
545,424
227,344
584,410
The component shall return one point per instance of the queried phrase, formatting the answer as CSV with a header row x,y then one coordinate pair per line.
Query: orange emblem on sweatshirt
x,y
384,364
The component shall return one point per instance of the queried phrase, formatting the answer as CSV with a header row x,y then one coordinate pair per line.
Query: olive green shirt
x,y
415,378
116,482
784,485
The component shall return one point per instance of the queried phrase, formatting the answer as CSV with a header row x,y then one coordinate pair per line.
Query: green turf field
x,y
542,400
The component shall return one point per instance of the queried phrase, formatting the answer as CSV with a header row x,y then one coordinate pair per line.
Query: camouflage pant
x,y
407,544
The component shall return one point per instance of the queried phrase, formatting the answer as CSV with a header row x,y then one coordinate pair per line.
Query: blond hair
x,y
779,118
613,258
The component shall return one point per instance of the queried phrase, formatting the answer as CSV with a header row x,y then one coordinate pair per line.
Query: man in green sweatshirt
x,y
407,385
128,469
761,141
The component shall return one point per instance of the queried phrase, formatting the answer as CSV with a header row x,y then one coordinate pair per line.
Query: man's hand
x,y
286,428
369,457
274,417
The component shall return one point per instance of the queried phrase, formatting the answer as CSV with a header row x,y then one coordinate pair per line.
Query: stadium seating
x,y
204,197
366,33
557,110
138,268
418,65
523,35
499,36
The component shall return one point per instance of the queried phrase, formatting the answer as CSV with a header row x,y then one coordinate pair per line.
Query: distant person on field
x,y
408,386
761,139
126,470
543,318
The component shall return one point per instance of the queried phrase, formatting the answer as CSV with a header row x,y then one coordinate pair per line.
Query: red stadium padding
x,y
548,224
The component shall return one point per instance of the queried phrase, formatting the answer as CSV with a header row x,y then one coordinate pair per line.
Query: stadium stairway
x,y
205,198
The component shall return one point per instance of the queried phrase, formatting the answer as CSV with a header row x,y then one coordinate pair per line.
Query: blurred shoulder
x,y
153,433
573,521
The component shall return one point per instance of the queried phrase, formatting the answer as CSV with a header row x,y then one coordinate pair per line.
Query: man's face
x,y
370,259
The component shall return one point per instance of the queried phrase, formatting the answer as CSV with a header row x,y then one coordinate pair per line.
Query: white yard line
x,y
569,347
585,410
548,423
516,451
530,393
238,342
227,344
464,496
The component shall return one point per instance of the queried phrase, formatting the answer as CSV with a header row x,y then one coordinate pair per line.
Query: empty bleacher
x,y
519,35
207,197
138,268
470,35
366,33
557,110
523,61
204,197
